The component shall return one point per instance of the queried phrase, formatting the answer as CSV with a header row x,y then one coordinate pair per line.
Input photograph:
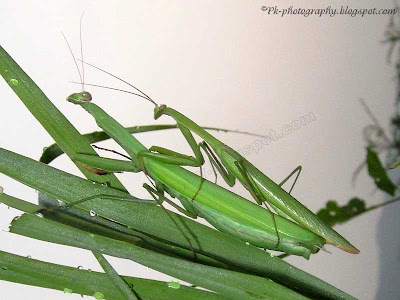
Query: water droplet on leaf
x,y
67,291
98,295
174,284
13,82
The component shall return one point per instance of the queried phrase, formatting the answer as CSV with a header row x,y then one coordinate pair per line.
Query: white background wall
x,y
227,64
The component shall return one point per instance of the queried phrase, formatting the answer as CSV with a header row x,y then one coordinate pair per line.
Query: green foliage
x,y
33,272
334,214
379,173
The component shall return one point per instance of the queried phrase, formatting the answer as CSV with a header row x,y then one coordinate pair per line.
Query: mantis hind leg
x,y
256,194
161,198
298,171
226,174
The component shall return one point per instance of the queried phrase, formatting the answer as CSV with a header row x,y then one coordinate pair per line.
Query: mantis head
x,y
79,98
159,110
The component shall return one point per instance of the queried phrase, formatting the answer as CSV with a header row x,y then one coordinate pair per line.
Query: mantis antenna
x,y
80,39
81,75
119,90
143,94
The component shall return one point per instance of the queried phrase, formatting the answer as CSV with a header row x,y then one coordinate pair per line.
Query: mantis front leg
x,y
107,165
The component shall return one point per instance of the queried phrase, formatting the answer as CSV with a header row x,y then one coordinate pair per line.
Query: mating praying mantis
x,y
223,209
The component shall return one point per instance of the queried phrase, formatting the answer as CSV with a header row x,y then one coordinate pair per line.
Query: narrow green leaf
x,y
33,272
107,228
114,276
231,284
378,173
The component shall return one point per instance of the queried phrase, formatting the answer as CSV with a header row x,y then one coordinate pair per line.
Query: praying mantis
x,y
223,209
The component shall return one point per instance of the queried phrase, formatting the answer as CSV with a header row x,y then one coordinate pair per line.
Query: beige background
x,y
227,64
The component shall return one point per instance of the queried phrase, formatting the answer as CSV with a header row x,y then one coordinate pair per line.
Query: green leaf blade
x,y
33,272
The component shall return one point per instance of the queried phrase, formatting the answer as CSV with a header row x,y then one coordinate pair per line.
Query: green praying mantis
x,y
293,230
223,209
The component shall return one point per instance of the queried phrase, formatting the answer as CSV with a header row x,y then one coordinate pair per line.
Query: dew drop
x,y
247,243
13,82
105,184
272,255
67,291
29,256
80,267
98,295
92,213
39,215
174,284
45,148
91,235
89,270
4,268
